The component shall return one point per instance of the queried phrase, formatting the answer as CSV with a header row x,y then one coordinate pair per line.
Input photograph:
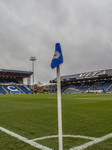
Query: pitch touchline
x,y
32,143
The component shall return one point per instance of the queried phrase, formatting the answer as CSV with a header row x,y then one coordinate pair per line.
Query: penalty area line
x,y
97,140
30,142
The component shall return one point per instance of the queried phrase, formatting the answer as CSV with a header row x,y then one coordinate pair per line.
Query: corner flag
x,y
56,61
58,58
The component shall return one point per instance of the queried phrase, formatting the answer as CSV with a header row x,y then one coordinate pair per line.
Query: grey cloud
x,y
32,27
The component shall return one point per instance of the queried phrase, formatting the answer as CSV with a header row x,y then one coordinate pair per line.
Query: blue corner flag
x,y
58,58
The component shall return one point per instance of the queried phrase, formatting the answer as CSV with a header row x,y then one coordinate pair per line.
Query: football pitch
x,y
29,122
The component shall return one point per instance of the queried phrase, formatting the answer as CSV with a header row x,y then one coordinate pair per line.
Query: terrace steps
x,y
4,89
20,89
90,87
108,87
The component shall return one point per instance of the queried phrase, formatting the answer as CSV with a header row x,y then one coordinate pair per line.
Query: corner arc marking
x,y
71,136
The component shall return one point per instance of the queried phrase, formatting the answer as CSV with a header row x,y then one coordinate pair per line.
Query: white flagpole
x,y
59,109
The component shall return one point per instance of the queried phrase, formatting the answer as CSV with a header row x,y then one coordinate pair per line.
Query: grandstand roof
x,y
86,75
15,73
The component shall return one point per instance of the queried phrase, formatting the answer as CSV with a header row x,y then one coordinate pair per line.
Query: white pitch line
x,y
45,137
98,140
71,136
34,144
80,136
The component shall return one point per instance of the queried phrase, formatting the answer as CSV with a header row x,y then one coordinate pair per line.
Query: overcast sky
x,y
32,27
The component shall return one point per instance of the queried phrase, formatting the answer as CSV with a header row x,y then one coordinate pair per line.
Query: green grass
x,y
34,116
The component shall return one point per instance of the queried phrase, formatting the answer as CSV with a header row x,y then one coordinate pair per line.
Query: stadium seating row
x,y
8,81
104,86
14,89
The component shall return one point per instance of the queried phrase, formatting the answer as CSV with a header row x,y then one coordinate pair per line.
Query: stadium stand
x,y
2,91
24,89
89,82
11,82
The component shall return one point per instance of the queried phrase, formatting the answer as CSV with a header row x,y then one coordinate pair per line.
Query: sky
x,y
32,27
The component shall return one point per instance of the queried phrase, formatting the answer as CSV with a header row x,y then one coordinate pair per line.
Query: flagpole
x,y
59,109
